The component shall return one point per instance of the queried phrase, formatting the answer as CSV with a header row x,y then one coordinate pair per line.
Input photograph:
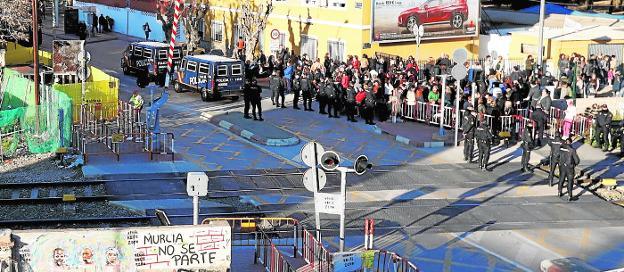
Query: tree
x,y
15,20
195,13
165,12
253,22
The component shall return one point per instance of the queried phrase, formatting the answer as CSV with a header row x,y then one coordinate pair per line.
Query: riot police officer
x,y
331,94
255,93
296,88
621,132
540,118
247,98
350,102
276,85
307,89
469,126
527,146
322,96
603,125
369,106
484,142
568,159
555,146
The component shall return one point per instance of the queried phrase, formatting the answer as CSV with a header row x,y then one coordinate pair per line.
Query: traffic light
x,y
361,165
330,160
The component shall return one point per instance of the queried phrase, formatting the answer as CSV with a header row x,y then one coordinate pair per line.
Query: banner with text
x,y
206,247
393,20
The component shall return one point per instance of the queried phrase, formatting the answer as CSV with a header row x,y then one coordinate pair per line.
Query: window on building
x,y
238,32
312,2
336,50
217,31
237,70
204,68
337,3
309,46
191,66
222,70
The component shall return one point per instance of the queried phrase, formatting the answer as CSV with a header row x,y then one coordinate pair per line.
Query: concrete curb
x,y
407,141
250,135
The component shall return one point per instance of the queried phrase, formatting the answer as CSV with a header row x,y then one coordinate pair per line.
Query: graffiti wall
x,y
206,247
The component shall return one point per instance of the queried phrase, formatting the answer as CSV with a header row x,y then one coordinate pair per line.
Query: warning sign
x,y
329,203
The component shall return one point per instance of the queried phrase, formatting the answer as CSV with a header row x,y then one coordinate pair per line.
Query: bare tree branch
x,y
195,13
15,20
253,20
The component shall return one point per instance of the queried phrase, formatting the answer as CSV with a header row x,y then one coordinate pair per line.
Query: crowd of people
x,y
376,87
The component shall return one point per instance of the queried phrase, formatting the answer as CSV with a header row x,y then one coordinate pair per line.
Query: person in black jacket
x,y
568,159
555,147
484,141
331,97
256,98
369,105
621,133
296,88
469,126
275,84
527,146
540,123
307,89
321,96
247,98
350,102
603,126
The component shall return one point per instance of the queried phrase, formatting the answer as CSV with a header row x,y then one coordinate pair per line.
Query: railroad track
x,y
51,192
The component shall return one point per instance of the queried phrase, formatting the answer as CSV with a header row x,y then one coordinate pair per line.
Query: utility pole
x,y
35,40
540,48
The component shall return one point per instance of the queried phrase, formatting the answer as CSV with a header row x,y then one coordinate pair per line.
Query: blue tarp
x,y
550,9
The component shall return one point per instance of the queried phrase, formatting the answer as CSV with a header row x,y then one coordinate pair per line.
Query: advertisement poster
x,y
66,56
393,20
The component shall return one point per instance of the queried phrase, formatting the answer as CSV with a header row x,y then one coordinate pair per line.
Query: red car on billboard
x,y
454,12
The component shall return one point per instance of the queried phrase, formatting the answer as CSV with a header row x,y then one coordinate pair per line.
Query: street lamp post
x,y
540,48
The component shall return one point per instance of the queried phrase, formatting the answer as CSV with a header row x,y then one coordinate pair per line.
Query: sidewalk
x,y
260,132
416,134
59,32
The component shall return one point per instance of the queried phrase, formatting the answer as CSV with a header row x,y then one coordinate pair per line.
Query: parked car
x,y
138,55
210,75
454,12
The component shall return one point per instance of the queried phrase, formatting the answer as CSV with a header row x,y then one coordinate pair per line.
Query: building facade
x,y
318,27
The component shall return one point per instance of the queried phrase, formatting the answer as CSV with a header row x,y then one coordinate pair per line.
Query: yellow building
x,y
317,27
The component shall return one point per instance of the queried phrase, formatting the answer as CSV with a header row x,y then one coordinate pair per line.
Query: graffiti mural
x,y
206,247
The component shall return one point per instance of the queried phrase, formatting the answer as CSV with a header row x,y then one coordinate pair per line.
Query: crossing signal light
x,y
361,165
330,161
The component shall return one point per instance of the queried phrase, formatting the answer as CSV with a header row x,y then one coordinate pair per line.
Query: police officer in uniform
x,y
369,106
555,146
350,102
469,126
322,96
540,118
276,85
484,142
247,98
255,93
621,133
603,126
526,145
306,89
296,88
331,94
568,159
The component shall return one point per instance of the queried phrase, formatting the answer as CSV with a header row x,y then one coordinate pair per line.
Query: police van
x,y
139,55
211,75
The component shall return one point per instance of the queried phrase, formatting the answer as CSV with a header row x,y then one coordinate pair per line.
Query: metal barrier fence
x,y
270,235
514,124
160,143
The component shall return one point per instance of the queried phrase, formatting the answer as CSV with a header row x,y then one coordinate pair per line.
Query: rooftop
x,y
213,58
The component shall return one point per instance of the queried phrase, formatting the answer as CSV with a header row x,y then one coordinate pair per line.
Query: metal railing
x,y
515,124
269,236
160,144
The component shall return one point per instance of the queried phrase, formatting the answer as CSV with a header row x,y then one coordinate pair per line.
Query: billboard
x,y
66,56
393,20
